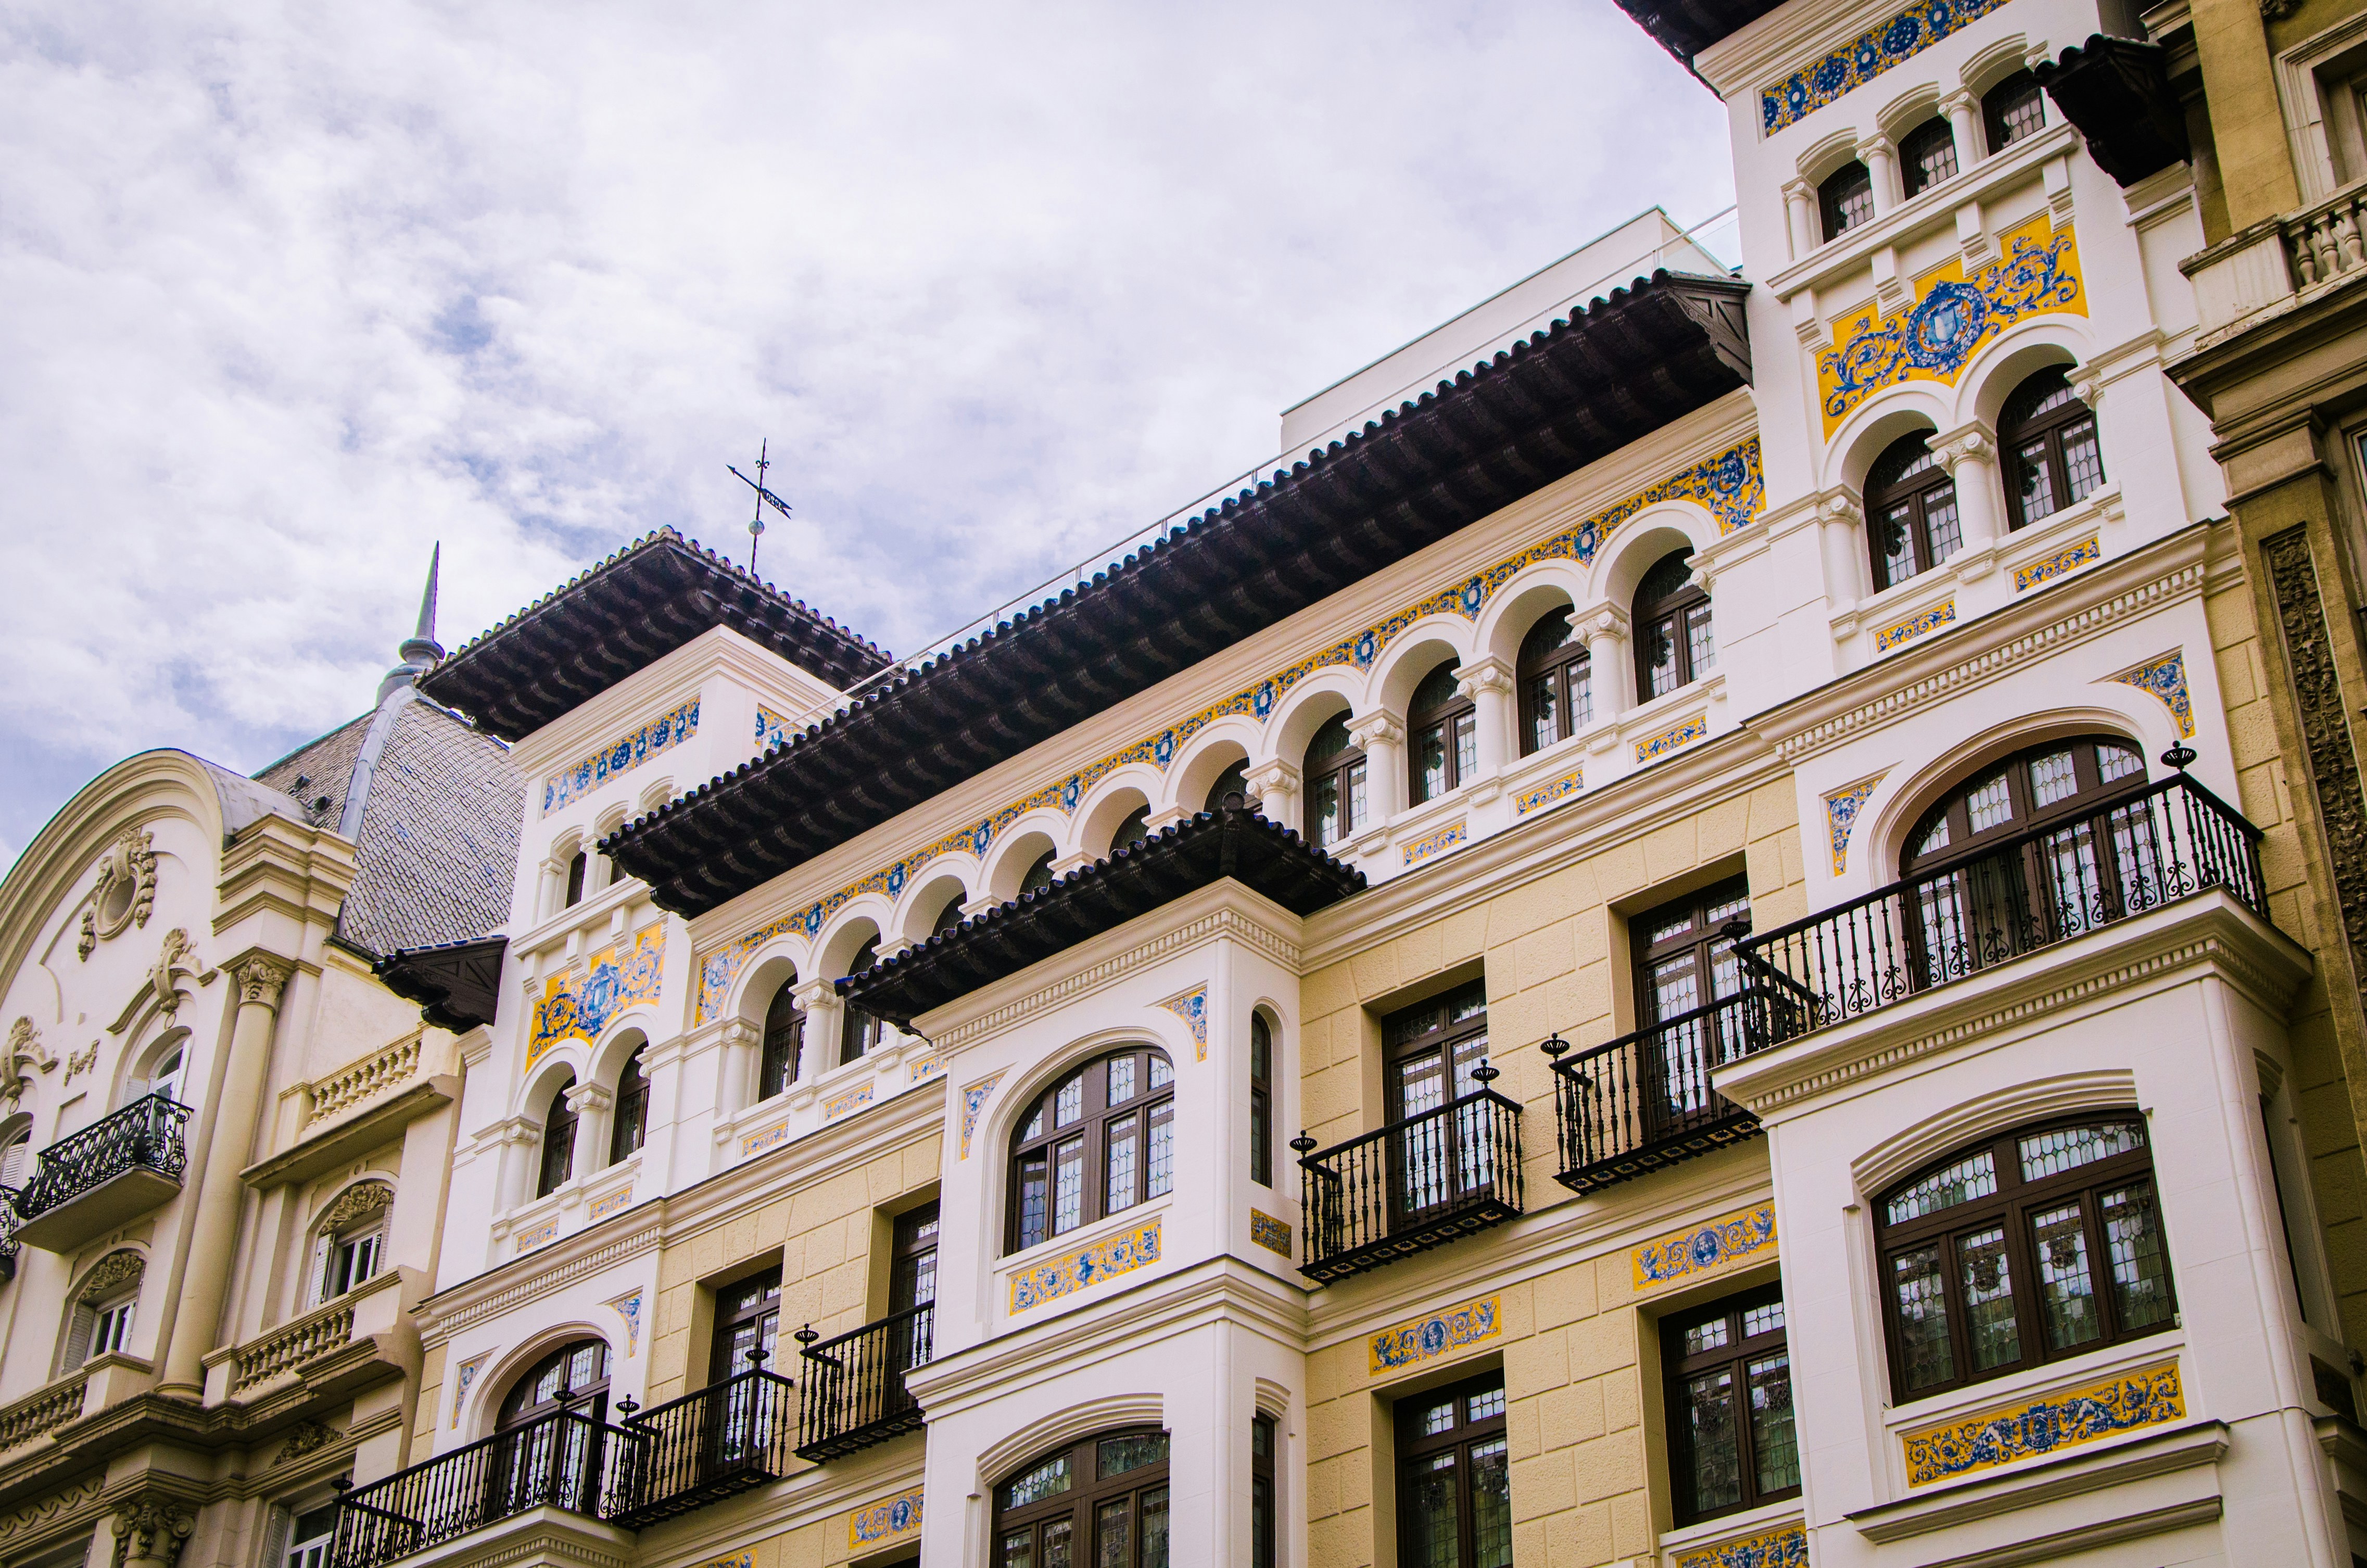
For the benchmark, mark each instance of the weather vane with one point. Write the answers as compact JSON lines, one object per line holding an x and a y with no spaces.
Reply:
{"x":763,"y":498}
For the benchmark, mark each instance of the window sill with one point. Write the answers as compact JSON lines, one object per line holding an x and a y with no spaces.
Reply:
{"x":1971,"y":568}
{"x":1744,"y":1525}
{"x":2014,"y":1387}
{"x":1012,"y":1265}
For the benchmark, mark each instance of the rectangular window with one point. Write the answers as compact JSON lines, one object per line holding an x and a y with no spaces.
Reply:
{"x":1264,"y":1437}
{"x":1260,"y":1101}
{"x":1121,"y":1163}
{"x":1455,"y":1496}
{"x":311,"y":1538}
{"x":353,"y":1260}
{"x":1068,"y":1185}
{"x":1728,"y":1380}
{"x":1161,"y":1170}
{"x":110,"y":1328}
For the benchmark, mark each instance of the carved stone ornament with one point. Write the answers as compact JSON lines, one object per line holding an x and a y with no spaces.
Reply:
{"x":124,"y":891}
{"x":356,"y":1202}
{"x":175,"y":959}
{"x":34,"y":1514}
{"x":2325,"y":728}
{"x":152,"y":1530}
{"x":260,"y":982}
{"x":23,"y":1049}
{"x":113,"y":1273}
{"x":306,"y":1437}
{"x":81,"y":1061}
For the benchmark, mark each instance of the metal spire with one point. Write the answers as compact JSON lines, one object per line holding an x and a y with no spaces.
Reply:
{"x":420,"y":652}
{"x":763,"y":498}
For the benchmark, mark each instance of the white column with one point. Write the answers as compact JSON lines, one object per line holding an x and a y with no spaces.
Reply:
{"x":1275,"y":785}
{"x":738,"y":1041}
{"x":519,"y":1145}
{"x":1609,"y":671}
{"x":1488,"y":682}
{"x":826,"y":1027}
{"x":1971,"y":456}
{"x":1383,"y":740}
{"x":1881,"y":160}
{"x":1800,"y":213}
{"x":1963,"y":112}
{"x":1840,"y":536}
{"x":593,"y":1108}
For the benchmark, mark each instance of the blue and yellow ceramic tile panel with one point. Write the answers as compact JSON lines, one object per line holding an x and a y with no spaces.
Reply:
{"x":1071,"y":1272}
{"x":629,"y":1307}
{"x":2165,"y":676}
{"x":733,"y":1559}
{"x":1906,"y":629}
{"x":1437,"y":842}
{"x":767,"y":1137}
{"x":463,"y":1378}
{"x":1424,"y":1338}
{"x":772,"y":730}
{"x":1696,"y":1252}
{"x":922,"y":1070}
{"x":1731,"y":486}
{"x":1841,"y":808}
{"x":973,"y":1102}
{"x":542,"y":1236}
{"x":615,"y":979}
{"x":609,"y":1203}
{"x":1550,"y":792}
{"x":2060,"y":563}
{"x":1893,"y":41}
{"x":1784,"y":1546}
{"x":1676,"y":737}
{"x":1270,"y":1233}
{"x":620,"y":757}
{"x":884,"y":1521}
{"x":2127,"y":1401}
{"x":1192,"y":1006}
{"x":847,"y":1104}
{"x":1954,"y":315}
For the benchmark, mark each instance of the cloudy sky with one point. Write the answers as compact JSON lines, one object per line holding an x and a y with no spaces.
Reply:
{"x":294,"y":292}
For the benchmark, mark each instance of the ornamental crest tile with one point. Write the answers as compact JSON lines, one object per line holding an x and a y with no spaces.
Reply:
{"x":764,"y":1138}
{"x":899,"y":1514}
{"x":1437,"y":842}
{"x":609,"y":1203}
{"x":616,"y":977}
{"x":2165,"y":676}
{"x":1840,"y":816}
{"x":1898,"y":633}
{"x":2061,"y":563}
{"x":620,"y":757}
{"x":1192,"y":1006}
{"x":1270,"y":1233}
{"x":462,"y":1378}
{"x":2148,"y":1396}
{"x":1090,"y":1264}
{"x":1747,"y":1235}
{"x":1900,"y":39}
{"x":1785,"y":1546}
{"x":847,"y":1104}
{"x":1954,"y":315}
{"x":629,"y":1307}
{"x":1420,"y":1339}
{"x":1550,"y":792}
{"x":1676,"y":737}
{"x":542,"y":1236}
{"x":926,"y":1068}
{"x":973,"y":1101}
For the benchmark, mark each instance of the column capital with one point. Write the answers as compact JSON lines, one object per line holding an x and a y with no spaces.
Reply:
{"x":814,"y":993}
{"x":1486,"y":673}
{"x":589,"y":1097}
{"x":1278,"y":779}
{"x":262,"y":977}
{"x":1966,"y":443}
{"x":1797,"y":190}
{"x":1376,"y":728}
{"x":1876,"y":144}
{"x":1842,"y":507}
{"x":151,"y":1530}
{"x":1952,"y":103}
{"x":1602,"y":620}
{"x":737,"y":1031}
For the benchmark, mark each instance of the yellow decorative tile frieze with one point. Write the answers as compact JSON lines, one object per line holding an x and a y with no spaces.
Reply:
{"x":1747,"y":1235}
{"x":1783,"y":1545}
{"x":1434,"y":1334}
{"x":1105,"y":1259}
{"x":2127,"y":1401}
{"x":884,"y":1521}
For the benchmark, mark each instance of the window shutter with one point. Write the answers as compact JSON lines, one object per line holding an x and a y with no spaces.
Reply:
{"x":274,"y":1538}
{"x":133,"y":1088}
{"x":14,"y":1161}
{"x":323,"y":1255}
{"x":78,"y":1338}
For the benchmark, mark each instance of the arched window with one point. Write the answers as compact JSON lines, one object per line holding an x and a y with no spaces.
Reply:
{"x":1101,"y":1501}
{"x":1674,"y":645}
{"x":2027,"y":790}
{"x":162,"y":1078}
{"x":1910,"y":510}
{"x":1927,"y":156}
{"x":631,"y":1122}
{"x":558,"y":1143}
{"x":862,"y":1031}
{"x":2049,"y":437}
{"x":1039,"y":874}
{"x":2034,"y":1244}
{"x":1233,"y":780}
{"x":1443,"y":727}
{"x":104,"y":1307}
{"x":2013,"y":109}
{"x":1100,"y":1140}
{"x":578,"y":865}
{"x":1846,"y":200}
{"x":573,"y":1377}
{"x":1556,"y":683}
{"x":1336,"y":807}
{"x":351,"y":1248}
{"x":785,"y":1038}
{"x":1261,"y":1100}
{"x":1132,"y":830}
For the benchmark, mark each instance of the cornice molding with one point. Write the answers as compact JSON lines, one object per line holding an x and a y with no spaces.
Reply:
{"x":509,"y":1285}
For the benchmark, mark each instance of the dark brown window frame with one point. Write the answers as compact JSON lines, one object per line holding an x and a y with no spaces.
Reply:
{"x":1414,"y":1447}
{"x":1346,"y":769}
{"x":2054,"y":428}
{"x":629,"y":1120}
{"x":1671,"y":615}
{"x":1561,"y":673}
{"x":2010,"y":1208}
{"x":578,"y":867}
{"x":1703,"y":938}
{"x":1886,"y":489}
{"x":1917,"y":171}
{"x":559,"y":1125}
{"x":1265,"y":1499}
{"x":1836,"y":199}
{"x":2093,"y":792}
{"x":1088,"y":1492}
{"x":1398,"y":1044}
{"x":752,"y":1304}
{"x":1998,"y":107}
{"x":784,"y":1041}
{"x":1261,"y":1100}
{"x":513,"y":1412}
{"x":1677,"y":1369}
{"x":913,"y":1258}
{"x":1092,"y":1125}
{"x":1450,"y":722}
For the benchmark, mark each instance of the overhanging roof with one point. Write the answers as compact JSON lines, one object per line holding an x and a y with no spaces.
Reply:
{"x":623,"y":615}
{"x":457,"y":984}
{"x":1235,"y":842}
{"x":1577,"y":392}
{"x":1685,"y":27}
{"x":2117,"y":91}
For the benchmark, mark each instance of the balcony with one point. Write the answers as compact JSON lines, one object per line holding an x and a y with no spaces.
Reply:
{"x":8,"y":1247}
{"x":1412,"y":1186}
{"x":566,"y":1460}
{"x":704,"y":1446}
{"x":105,"y":1176}
{"x":2168,"y":841}
{"x":1643,"y":1101}
{"x":854,"y":1393}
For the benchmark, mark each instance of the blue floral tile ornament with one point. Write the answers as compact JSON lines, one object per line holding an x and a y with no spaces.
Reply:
{"x":1682,"y":1257}
{"x":973,"y":1102}
{"x":616,"y":978}
{"x":772,"y":730}
{"x":1270,"y":1233}
{"x":1676,"y":737}
{"x":1785,"y":1546}
{"x":1432,"y":844}
{"x":1841,"y":815}
{"x":2165,"y":676}
{"x":764,"y":1138}
{"x":847,"y":1104}
{"x":2061,"y":563}
{"x":462,"y":1378}
{"x":733,"y":1559}
{"x":1420,"y":1339}
{"x":2036,"y":273}
{"x":1367,"y":648}
{"x":1088,"y":1266}
{"x":1887,"y":44}
{"x":629,"y":1307}
{"x":2127,"y":1401}
{"x":1905,"y":629}
{"x":1262,"y":700}
{"x":620,"y":757}
{"x":1192,"y":1006}
{"x":884,"y":1521}
{"x":1550,"y":792}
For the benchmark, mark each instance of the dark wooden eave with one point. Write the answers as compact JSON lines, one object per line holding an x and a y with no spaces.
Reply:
{"x":1685,"y":27}
{"x":1233,"y":841}
{"x":623,"y":615}
{"x":1553,"y":402}
{"x":2117,"y":91}
{"x":457,"y":984}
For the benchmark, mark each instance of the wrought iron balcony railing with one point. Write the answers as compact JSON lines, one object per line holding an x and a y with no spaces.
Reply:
{"x":8,"y":1244}
{"x":1413,"y":1185}
{"x":1643,"y":1101}
{"x":705,"y":1446}
{"x":852,"y":1393}
{"x":2166,"y":842}
{"x":111,"y":1171}
{"x":565,"y":1460}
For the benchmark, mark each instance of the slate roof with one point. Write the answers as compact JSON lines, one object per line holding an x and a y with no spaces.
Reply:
{"x":1685,"y":27}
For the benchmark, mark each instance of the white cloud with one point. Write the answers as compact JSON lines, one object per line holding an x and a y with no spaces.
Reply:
{"x":294,"y":293}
